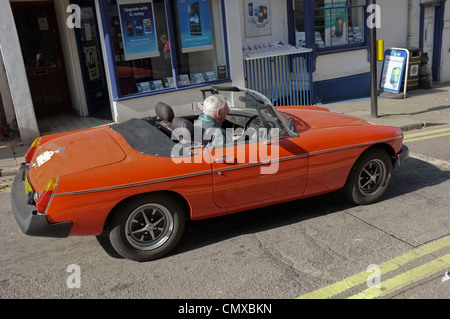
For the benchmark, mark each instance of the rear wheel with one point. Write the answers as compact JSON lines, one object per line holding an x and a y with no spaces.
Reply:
{"x":147,"y":227}
{"x":369,"y":178}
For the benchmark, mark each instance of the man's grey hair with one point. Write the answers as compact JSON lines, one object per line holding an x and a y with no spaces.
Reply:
{"x":214,"y":103}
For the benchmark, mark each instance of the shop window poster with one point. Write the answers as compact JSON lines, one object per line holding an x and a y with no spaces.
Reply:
{"x":138,"y":29}
{"x":195,"y":25}
{"x":257,"y":18}
{"x":336,"y":23}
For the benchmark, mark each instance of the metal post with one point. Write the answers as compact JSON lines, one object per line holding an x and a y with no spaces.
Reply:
{"x":373,"y":68}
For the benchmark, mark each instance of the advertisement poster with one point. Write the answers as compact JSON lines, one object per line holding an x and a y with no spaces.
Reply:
{"x":195,"y":25}
{"x":257,"y":18}
{"x":138,"y":29}
{"x":335,"y":24}
{"x":392,"y":73}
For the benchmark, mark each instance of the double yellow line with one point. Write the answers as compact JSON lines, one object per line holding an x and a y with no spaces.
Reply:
{"x":427,"y":135}
{"x":5,"y":187}
{"x":393,"y":284}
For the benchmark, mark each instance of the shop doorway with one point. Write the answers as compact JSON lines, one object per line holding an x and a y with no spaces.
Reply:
{"x":91,"y":61}
{"x":431,"y":29}
{"x":42,"y":53}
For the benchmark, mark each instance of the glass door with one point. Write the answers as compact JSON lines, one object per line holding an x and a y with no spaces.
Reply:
{"x":91,"y":61}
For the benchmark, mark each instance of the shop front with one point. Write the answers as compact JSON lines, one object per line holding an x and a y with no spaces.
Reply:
{"x":115,"y":59}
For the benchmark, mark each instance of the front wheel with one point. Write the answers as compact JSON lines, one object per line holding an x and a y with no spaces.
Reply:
{"x":147,"y":227}
{"x":369,"y":178}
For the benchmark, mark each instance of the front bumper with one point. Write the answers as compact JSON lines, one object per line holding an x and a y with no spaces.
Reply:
{"x":402,"y":156}
{"x":30,"y":222}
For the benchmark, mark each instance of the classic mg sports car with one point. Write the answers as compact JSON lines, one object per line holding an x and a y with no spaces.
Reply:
{"x":137,"y":182}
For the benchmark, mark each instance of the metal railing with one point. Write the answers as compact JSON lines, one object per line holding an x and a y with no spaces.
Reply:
{"x":283,"y":75}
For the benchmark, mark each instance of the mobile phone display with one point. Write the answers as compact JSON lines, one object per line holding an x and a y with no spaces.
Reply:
{"x":261,"y":14}
{"x":138,"y":27}
{"x":395,"y":76}
{"x":339,"y":27}
{"x":147,"y":26}
{"x":130,"y":28}
{"x":194,"y":19}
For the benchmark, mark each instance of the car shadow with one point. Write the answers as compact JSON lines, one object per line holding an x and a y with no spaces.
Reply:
{"x":415,"y":175}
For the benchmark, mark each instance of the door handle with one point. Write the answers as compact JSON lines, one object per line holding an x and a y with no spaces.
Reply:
{"x":226,"y":160}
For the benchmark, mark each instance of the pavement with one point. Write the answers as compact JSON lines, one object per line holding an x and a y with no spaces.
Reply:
{"x":421,"y":108}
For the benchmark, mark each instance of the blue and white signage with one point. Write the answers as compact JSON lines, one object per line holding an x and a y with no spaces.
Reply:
{"x":138,"y":29}
{"x":195,"y":25}
{"x":393,"y":70}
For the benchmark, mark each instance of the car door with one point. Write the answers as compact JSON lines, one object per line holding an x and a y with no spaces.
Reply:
{"x":259,"y":172}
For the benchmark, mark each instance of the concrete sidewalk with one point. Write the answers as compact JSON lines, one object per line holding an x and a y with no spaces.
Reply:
{"x":423,"y":107}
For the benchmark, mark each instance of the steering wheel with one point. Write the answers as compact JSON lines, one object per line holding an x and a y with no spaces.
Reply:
{"x":247,"y":124}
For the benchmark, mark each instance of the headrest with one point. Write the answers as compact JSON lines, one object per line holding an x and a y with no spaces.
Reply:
{"x":164,"y":112}
{"x":183,"y":129}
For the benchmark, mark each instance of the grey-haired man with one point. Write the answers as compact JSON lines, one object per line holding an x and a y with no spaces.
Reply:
{"x":209,"y":123}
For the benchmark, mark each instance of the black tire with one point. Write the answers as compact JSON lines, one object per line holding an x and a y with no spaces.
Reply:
{"x":147,"y":227}
{"x":369,"y":178}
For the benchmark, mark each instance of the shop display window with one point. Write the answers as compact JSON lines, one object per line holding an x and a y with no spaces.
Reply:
{"x":328,"y":25}
{"x":165,"y":45}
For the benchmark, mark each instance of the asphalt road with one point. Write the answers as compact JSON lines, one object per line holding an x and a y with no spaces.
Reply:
{"x":320,"y":247}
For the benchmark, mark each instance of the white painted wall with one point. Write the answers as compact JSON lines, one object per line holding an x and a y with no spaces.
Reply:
{"x":394,"y":23}
{"x":278,"y":20}
{"x":5,"y":96}
{"x":71,"y":60}
{"x":16,"y":75}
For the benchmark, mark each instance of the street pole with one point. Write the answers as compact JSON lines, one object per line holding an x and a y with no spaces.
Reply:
{"x":373,"y":67}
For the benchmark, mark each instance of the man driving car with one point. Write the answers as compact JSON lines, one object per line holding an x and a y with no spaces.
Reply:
{"x":209,"y":123}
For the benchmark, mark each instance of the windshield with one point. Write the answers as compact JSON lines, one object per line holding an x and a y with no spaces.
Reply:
{"x":253,"y":102}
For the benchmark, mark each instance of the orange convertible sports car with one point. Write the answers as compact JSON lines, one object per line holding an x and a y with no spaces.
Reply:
{"x":135,"y":183}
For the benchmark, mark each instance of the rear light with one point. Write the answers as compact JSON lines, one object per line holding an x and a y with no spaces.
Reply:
{"x":30,"y":153}
{"x":44,"y":198}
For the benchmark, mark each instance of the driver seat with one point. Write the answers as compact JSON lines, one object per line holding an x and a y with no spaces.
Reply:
{"x":165,"y":115}
{"x":183,"y":131}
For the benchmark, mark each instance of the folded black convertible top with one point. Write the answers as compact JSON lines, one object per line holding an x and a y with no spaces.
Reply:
{"x":144,"y":136}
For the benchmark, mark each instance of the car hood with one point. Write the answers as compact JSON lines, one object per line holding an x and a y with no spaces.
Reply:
{"x":62,"y":154}
{"x":321,"y":119}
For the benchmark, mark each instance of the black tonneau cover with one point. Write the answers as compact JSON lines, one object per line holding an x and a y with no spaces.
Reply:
{"x":145,"y":137}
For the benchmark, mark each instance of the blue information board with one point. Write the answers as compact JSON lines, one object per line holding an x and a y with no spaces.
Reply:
{"x":195,"y":25}
{"x":138,"y":29}
{"x":393,"y":70}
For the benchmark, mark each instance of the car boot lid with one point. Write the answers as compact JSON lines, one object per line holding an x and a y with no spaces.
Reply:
{"x":70,"y":153}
